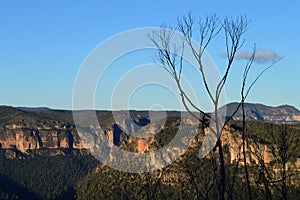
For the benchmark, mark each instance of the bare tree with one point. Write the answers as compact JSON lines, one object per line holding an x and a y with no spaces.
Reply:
{"x":244,"y":93}
{"x":284,"y":145}
{"x":280,"y":142}
{"x":171,"y":58}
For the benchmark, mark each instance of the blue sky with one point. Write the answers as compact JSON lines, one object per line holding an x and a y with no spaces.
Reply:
{"x":43,"y":44}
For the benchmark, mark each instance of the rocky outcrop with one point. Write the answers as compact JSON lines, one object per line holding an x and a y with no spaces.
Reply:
{"x":55,"y":135}
{"x":256,"y":151}
{"x":24,"y":138}
{"x":31,"y":130}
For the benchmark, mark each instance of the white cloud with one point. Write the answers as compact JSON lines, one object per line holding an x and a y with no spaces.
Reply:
{"x":262,"y":56}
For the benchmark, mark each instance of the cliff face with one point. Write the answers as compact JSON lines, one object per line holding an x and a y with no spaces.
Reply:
{"x":49,"y":129}
{"x":233,"y":141}
{"x":24,"y":138}
{"x":31,"y":129}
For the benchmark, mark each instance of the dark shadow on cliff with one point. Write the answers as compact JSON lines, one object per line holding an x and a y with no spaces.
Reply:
{"x":119,"y":135}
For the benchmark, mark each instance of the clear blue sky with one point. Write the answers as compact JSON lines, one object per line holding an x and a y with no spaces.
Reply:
{"x":43,"y":43}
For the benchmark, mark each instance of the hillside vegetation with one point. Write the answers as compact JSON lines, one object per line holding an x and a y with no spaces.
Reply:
{"x":42,"y":157}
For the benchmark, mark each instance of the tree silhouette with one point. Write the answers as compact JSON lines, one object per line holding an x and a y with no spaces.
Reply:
{"x":171,"y":57}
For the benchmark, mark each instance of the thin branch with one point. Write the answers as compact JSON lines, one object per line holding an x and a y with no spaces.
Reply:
{"x":260,"y":74}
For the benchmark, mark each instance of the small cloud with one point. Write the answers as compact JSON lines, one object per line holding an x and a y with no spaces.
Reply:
{"x":262,"y":56}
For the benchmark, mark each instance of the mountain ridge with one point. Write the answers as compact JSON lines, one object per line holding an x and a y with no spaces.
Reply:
{"x":45,"y":108}
{"x":254,"y":111}
{"x":27,"y":129}
{"x":261,"y":112}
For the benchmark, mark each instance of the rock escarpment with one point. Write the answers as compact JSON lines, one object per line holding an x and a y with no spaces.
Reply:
{"x":31,"y":129}
{"x":23,"y":137}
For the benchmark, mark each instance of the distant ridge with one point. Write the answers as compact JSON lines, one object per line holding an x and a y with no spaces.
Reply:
{"x":257,"y":111}
{"x":254,"y":111}
{"x":39,"y":128}
{"x":33,"y":108}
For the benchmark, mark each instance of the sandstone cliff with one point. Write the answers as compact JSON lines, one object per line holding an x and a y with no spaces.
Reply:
{"x":49,"y":129}
{"x":24,"y":137}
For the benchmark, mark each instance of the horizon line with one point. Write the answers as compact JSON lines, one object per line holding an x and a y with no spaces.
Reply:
{"x":130,"y":109}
